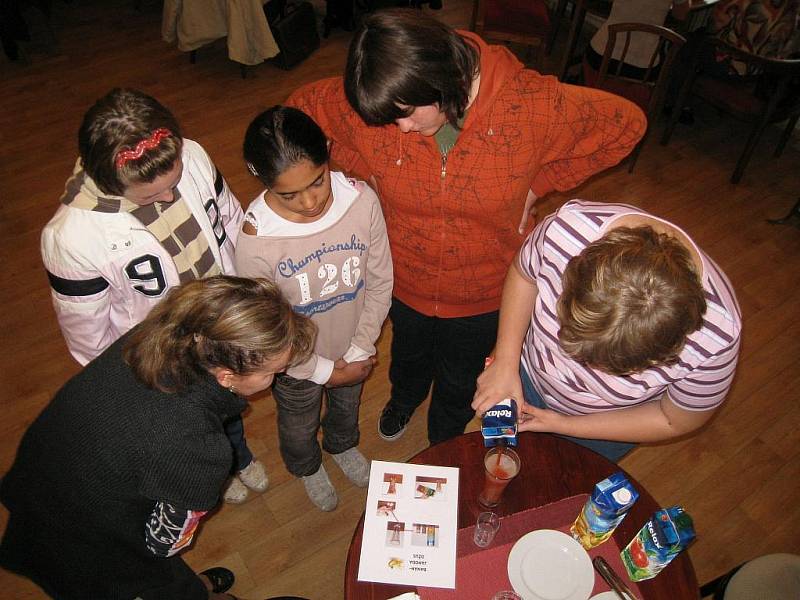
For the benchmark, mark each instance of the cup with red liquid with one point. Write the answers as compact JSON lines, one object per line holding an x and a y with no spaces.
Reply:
{"x":501,"y":464}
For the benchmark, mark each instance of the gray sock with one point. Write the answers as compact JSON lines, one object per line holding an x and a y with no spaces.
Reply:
{"x":354,"y":465}
{"x":320,"y":490}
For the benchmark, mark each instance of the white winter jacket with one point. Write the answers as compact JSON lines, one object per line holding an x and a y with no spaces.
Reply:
{"x":107,"y":270}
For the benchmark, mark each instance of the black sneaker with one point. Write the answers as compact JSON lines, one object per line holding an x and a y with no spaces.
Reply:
{"x":392,"y":423}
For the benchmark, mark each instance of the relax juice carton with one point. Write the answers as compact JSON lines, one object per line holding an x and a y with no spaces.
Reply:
{"x":657,"y":543}
{"x":604,"y":510}
{"x":499,"y":424}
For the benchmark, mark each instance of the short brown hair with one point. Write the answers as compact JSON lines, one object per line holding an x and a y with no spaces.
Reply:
{"x":403,"y":56}
{"x":629,"y":301}
{"x":222,"y":321}
{"x":119,"y":121}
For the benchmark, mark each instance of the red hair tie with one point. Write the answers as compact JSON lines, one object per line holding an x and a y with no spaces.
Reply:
{"x":146,"y":144}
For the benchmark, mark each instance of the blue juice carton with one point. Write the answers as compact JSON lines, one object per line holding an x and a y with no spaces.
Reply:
{"x":604,"y":510}
{"x":499,"y":424}
{"x":660,"y":540}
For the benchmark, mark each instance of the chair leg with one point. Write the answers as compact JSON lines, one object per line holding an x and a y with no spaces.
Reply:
{"x":794,"y":212}
{"x":555,"y":25}
{"x":680,"y":102}
{"x":634,"y":156}
{"x":757,"y":130}
{"x":747,"y":153}
{"x":787,"y":133}
{"x":572,"y":41}
{"x":671,"y":123}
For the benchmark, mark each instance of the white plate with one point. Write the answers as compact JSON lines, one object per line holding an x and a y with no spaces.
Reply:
{"x":550,"y":565}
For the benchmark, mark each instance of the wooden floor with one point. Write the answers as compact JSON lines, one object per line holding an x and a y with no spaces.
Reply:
{"x":738,"y":478}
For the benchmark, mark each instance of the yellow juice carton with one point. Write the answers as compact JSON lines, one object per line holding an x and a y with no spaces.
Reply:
{"x":604,"y":510}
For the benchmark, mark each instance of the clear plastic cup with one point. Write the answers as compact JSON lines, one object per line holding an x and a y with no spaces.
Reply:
{"x":486,"y":528}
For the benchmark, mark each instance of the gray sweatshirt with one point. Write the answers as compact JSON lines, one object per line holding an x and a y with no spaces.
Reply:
{"x":336,"y":270}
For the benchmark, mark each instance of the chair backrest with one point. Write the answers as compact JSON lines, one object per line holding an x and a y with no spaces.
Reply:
{"x":646,"y":89}
{"x":779,"y":66}
{"x":521,"y":21}
{"x":769,"y":89}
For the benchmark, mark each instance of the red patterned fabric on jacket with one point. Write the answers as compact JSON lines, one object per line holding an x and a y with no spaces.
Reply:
{"x":453,"y":222}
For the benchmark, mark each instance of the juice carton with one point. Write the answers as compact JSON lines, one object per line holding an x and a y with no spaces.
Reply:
{"x":604,"y":510}
{"x":499,"y":424}
{"x":657,"y":543}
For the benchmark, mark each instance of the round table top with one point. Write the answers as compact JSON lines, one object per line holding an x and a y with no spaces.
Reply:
{"x":552,"y":468}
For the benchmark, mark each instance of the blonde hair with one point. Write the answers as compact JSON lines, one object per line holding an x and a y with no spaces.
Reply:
{"x":223,"y":321}
{"x":629,"y":301}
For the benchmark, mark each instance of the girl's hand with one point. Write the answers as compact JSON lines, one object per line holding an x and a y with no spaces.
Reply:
{"x":345,"y":373}
{"x":497,"y":382}
{"x":539,"y":419}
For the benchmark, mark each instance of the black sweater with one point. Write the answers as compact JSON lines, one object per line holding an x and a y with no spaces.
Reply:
{"x":91,"y":467}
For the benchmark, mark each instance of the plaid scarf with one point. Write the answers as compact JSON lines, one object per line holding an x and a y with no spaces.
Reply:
{"x":172,"y":224}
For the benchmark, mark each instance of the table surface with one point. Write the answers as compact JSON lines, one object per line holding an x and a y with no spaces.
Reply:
{"x":552,"y":469}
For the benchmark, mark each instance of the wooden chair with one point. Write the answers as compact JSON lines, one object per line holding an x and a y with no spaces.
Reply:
{"x":599,"y":8}
{"x":646,"y":90}
{"x":770,"y":93}
{"x":525,"y":22}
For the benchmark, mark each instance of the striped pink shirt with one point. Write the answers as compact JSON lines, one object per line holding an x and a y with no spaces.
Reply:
{"x":700,"y":379}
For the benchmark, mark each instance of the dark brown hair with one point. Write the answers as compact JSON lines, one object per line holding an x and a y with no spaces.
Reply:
{"x":119,"y":121}
{"x":222,"y":321}
{"x":279,"y":138}
{"x":629,"y":301}
{"x":409,"y":58}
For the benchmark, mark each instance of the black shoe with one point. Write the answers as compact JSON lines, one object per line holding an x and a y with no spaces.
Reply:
{"x":435,"y":4}
{"x":392,"y":423}
{"x":221,"y":579}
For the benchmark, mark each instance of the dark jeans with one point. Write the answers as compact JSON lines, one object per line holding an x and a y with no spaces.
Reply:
{"x":446,"y":353}
{"x":299,"y":404}
{"x":613,"y":451}
{"x":242,"y":456}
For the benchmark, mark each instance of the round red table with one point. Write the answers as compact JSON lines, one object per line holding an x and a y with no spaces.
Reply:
{"x":552,"y":468}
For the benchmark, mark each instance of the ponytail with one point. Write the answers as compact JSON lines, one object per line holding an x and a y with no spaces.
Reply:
{"x":222,"y":321}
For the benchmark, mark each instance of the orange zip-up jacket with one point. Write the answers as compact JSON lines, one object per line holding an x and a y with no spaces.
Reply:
{"x":453,"y":222}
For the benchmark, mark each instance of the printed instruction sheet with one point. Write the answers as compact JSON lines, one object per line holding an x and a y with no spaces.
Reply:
{"x":410,"y":525}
